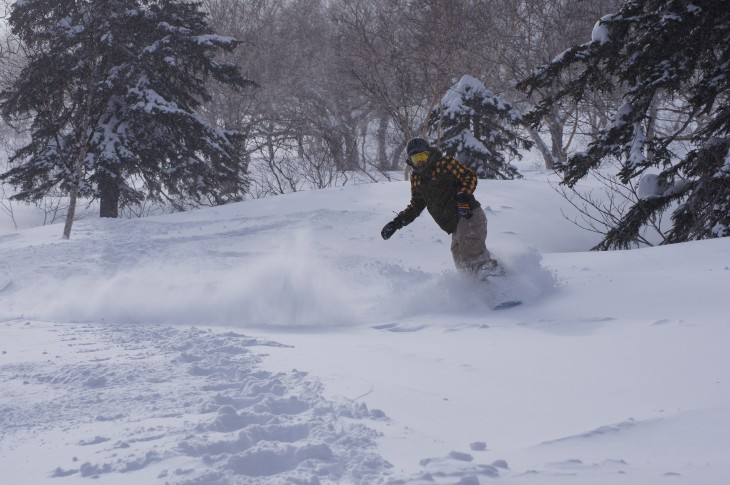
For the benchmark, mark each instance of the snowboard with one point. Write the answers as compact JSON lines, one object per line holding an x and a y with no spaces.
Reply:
{"x":506,"y":304}
{"x":4,"y":282}
{"x":499,"y":295}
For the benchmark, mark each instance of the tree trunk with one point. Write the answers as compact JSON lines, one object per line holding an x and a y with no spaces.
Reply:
{"x":651,"y":128}
{"x":382,"y":140}
{"x":84,"y":132}
{"x":334,"y":141}
{"x":71,"y":214}
{"x":556,"y":137}
{"x":543,"y":149}
{"x":352,"y":155}
{"x":109,"y":197}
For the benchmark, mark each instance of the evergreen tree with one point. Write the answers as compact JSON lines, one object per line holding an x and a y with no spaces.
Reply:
{"x":657,"y":53}
{"x":112,"y":87}
{"x":475,"y":126}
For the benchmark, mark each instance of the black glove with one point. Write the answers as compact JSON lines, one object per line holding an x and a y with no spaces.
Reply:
{"x":462,"y":205}
{"x":391,"y":227}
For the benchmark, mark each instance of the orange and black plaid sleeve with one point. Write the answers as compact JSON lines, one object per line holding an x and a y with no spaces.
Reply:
{"x":417,"y":204}
{"x":464,"y":175}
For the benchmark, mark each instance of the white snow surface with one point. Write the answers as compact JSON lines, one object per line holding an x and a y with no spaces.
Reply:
{"x":282,"y":341}
{"x":600,"y":32}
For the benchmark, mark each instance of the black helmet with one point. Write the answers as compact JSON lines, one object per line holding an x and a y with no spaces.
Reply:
{"x":417,"y":145}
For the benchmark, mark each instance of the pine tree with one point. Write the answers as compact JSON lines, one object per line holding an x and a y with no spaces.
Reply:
{"x":112,"y":87}
{"x":661,"y":55}
{"x":475,"y":126}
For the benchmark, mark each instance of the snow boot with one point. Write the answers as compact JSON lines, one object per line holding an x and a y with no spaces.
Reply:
{"x":490,"y":269}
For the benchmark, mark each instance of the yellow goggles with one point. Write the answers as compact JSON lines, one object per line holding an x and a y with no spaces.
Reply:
{"x":419,"y":158}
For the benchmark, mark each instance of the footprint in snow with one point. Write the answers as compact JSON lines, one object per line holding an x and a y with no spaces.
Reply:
{"x":400,"y":327}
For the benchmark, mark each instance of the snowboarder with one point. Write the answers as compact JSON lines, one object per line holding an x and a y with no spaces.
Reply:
{"x":446,"y":188}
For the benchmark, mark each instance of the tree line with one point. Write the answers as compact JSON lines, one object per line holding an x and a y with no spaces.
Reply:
{"x":270,"y":96}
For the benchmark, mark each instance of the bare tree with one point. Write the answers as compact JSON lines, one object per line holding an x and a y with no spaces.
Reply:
{"x":604,"y":203}
{"x":532,"y":33}
{"x":305,"y":98}
{"x":342,"y":75}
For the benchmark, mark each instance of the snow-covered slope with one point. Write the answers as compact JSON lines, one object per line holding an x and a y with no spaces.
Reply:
{"x":282,"y":340}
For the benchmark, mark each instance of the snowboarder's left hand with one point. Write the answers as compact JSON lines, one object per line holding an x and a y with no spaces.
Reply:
{"x":462,"y":205}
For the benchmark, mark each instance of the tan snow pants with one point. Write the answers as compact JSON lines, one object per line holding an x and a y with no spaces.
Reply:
{"x":468,"y":244}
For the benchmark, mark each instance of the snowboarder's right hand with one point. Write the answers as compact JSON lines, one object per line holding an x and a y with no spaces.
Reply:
{"x":391,"y":227}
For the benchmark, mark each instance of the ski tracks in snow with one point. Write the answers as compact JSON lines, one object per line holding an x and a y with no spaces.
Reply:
{"x":179,"y":406}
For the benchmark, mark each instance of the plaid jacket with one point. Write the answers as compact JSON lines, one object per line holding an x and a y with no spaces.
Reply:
{"x":435,"y":188}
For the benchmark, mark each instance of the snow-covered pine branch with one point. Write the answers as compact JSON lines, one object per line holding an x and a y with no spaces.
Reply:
{"x":659,"y":55}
